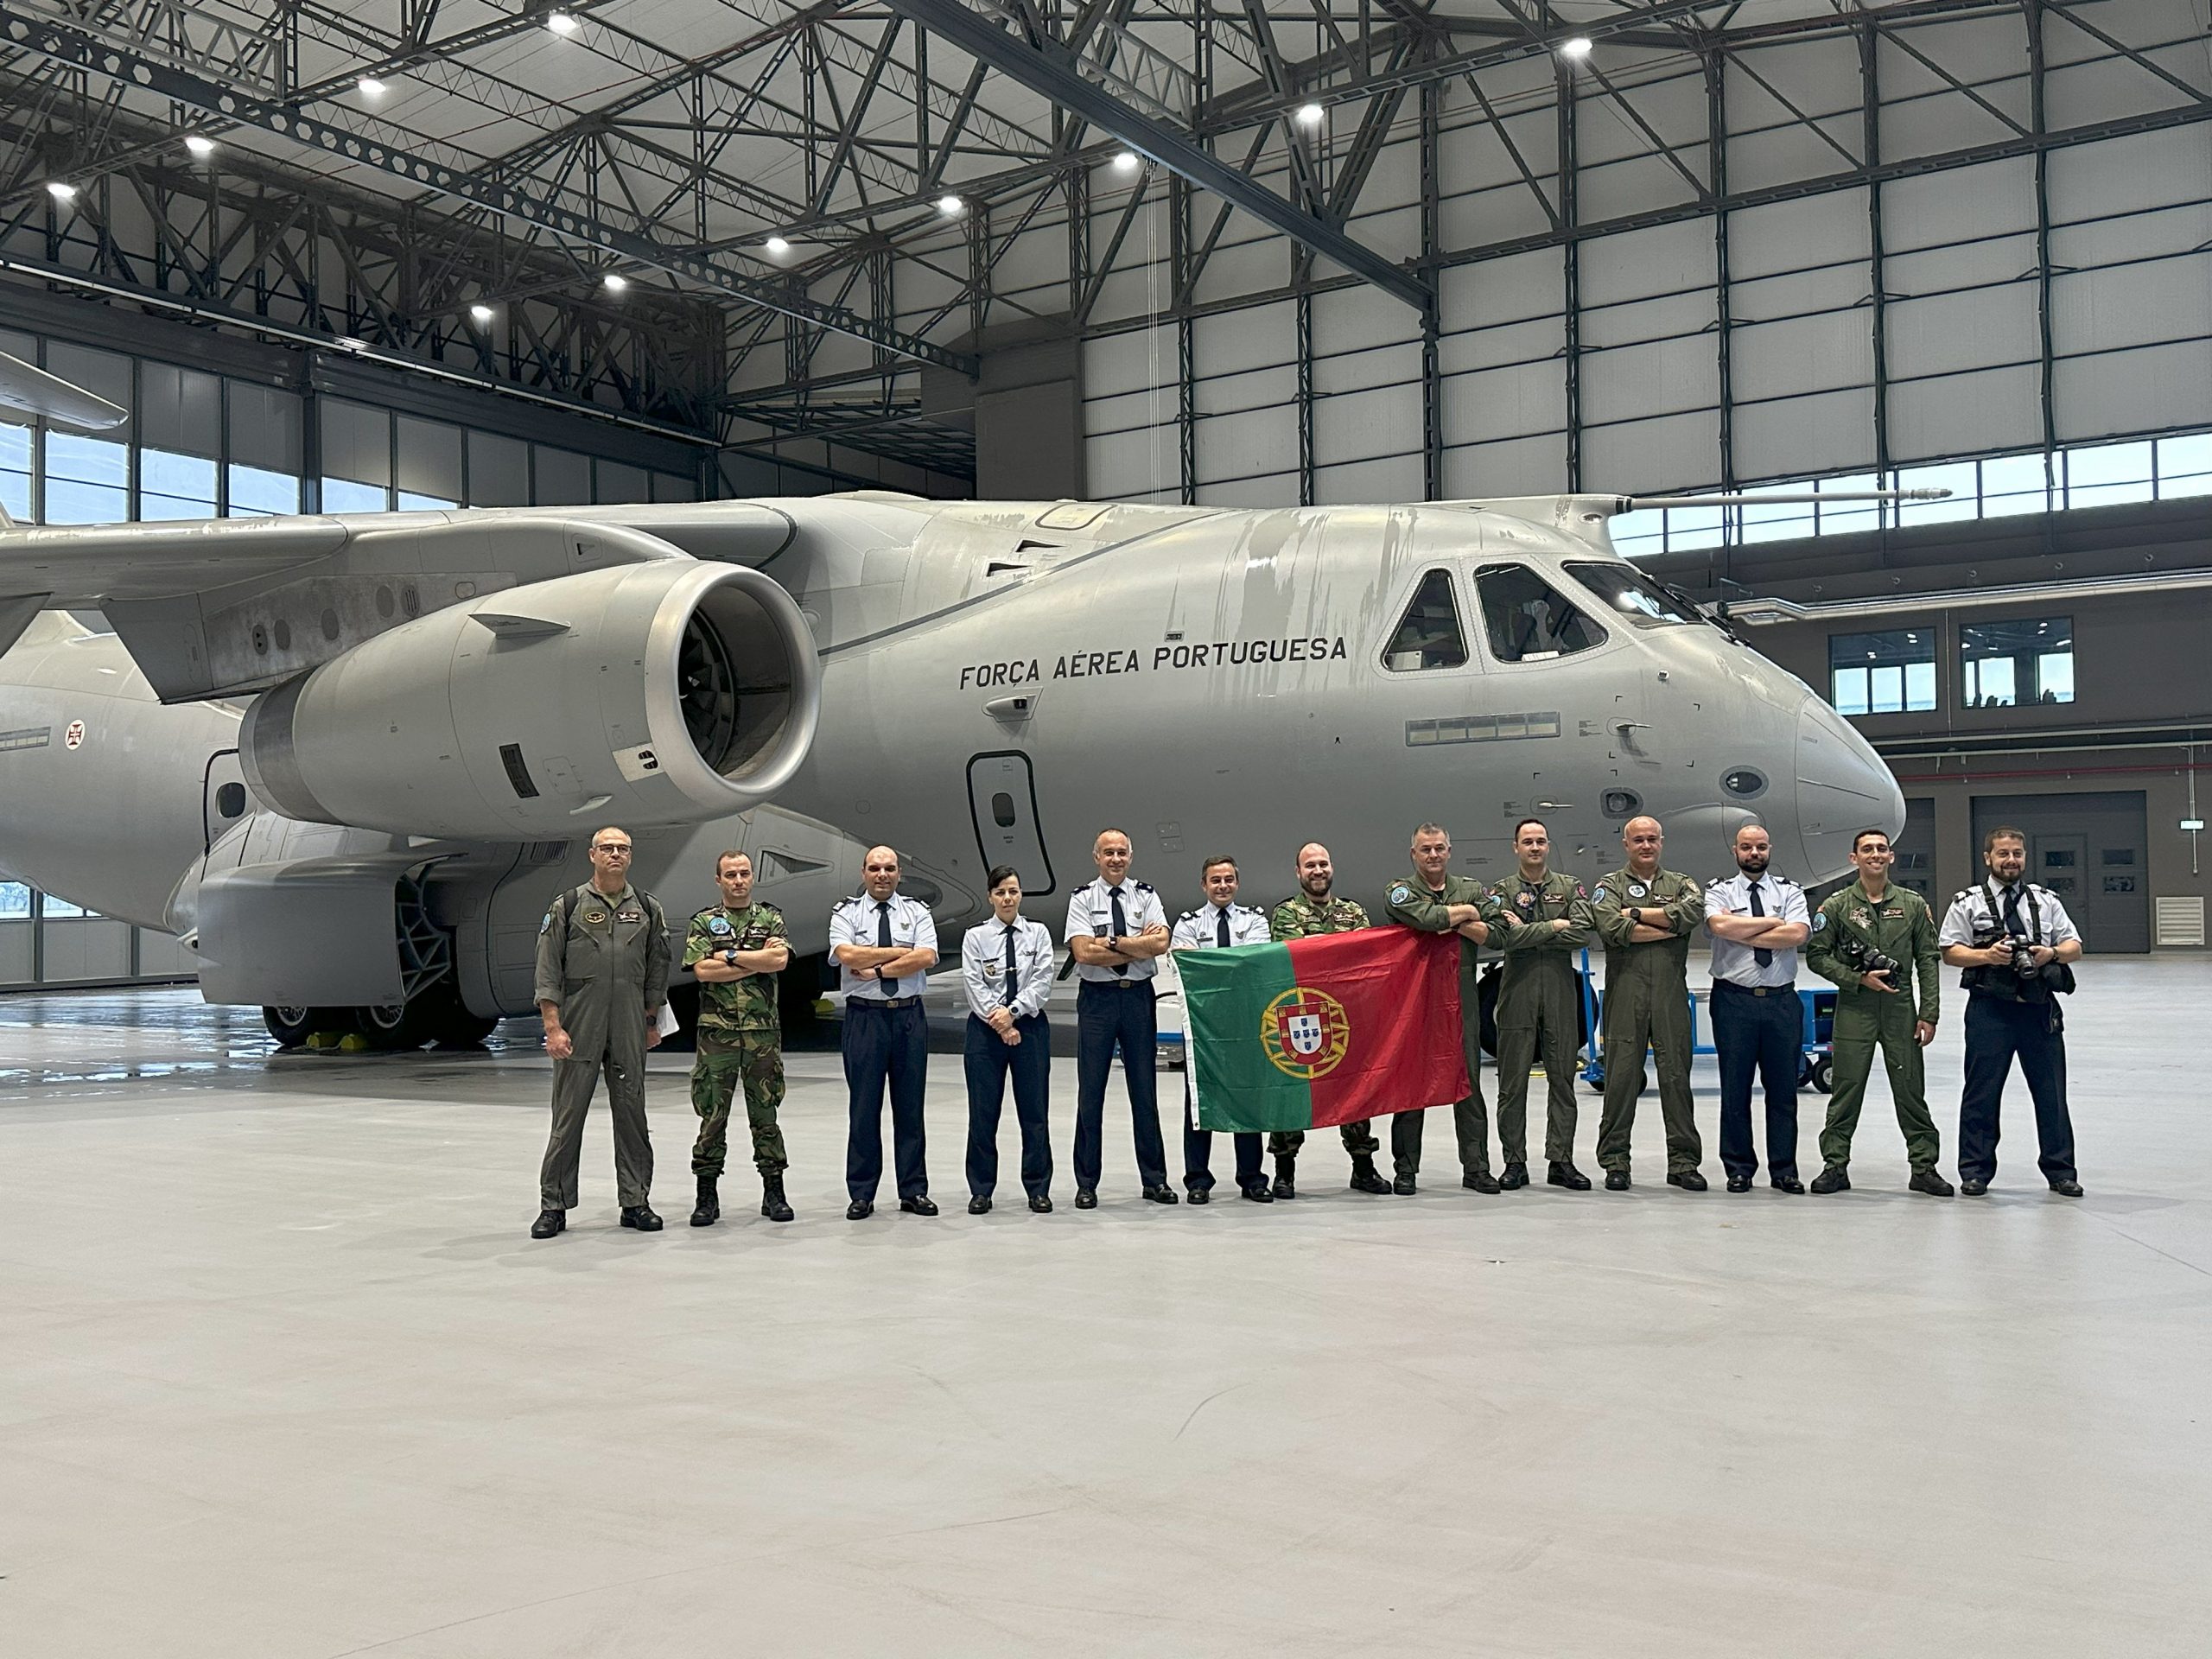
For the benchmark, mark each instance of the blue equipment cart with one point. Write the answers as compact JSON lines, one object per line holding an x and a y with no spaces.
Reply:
{"x":1815,"y":1068}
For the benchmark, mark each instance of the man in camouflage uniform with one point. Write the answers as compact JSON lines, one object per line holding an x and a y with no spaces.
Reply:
{"x":1539,"y":917}
{"x":1314,"y":909}
{"x":1872,"y":1009}
{"x":735,"y":949}
{"x":1435,"y":901}
{"x":1646,"y":916}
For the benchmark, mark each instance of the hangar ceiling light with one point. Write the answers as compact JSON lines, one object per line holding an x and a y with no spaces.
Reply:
{"x":952,"y":206}
{"x":1575,"y":47}
{"x":62,"y":189}
{"x":370,"y":87}
{"x":616,"y":281}
{"x":200,"y":145}
{"x":1311,"y":115}
{"x":480,"y":315}
{"x":776,"y":247}
{"x":561,"y":22}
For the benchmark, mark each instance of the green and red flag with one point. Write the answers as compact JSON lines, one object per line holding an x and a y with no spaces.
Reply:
{"x":1323,"y":1030}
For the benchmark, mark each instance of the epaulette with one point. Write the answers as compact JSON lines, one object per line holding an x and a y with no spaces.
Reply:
{"x":1188,"y":915}
{"x":1141,"y":886}
{"x":857,"y":898}
{"x":1721,"y":881}
{"x":1961,"y":893}
{"x":697,"y":914}
{"x":1780,"y":880}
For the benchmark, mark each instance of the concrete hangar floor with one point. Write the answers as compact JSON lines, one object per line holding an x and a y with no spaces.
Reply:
{"x":281,"y":1374}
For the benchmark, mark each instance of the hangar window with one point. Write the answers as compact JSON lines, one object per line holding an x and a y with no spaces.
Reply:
{"x":1530,"y":620}
{"x":1888,"y":673}
{"x":1634,"y":595}
{"x":2005,"y":665}
{"x":1429,"y":635}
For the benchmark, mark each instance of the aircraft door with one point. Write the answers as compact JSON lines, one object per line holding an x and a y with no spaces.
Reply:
{"x":1003,"y":800}
{"x":224,"y":798}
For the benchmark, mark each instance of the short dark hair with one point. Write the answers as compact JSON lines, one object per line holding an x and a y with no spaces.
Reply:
{"x":1863,"y":834}
{"x":1000,"y":872}
{"x":1420,"y":830}
{"x":2003,"y":832}
{"x":1218,"y":858}
{"x":729,"y":853}
{"x":1525,"y":822}
{"x":1114,"y":830}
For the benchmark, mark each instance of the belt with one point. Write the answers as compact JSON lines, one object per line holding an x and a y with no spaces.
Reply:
{"x":1754,"y":990}
{"x":881,"y":1001}
{"x":1115,"y":984}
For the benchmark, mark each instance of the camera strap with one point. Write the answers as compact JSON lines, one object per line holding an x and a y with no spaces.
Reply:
{"x":2029,"y":907}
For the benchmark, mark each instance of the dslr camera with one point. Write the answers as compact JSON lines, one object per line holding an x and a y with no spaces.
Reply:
{"x":2028,"y":976}
{"x":1864,"y":958}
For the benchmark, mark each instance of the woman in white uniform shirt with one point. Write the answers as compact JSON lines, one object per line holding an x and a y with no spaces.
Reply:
{"x":1005,"y":967}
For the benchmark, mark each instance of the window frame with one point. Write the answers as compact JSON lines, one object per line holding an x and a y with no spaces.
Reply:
{"x":1551,"y":584}
{"x":1404,"y":610}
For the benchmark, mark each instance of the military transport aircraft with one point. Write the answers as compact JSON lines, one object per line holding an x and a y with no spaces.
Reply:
{"x":349,"y":757}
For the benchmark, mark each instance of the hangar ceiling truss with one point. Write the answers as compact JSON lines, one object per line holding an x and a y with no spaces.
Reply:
{"x":812,"y":203}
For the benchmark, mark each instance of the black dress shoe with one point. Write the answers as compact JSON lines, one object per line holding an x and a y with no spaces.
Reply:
{"x":1514,"y":1177}
{"x":979,"y":1206}
{"x":1564,"y":1173}
{"x":1159,"y":1195}
{"x":1403,"y":1185}
{"x":1833,"y":1179}
{"x":860,"y":1209}
{"x":1201,"y":1195}
{"x":1364,"y":1176}
{"x":1739,"y":1183}
{"x":1617,"y":1181}
{"x":2067,"y":1189}
{"x":641,"y":1216}
{"x":1041,"y":1203}
{"x":1974,"y":1189}
{"x":1928,"y":1181}
{"x":1086,"y":1197}
{"x":1255,"y":1194}
{"x":1478,"y":1180}
{"x":1689,"y":1180}
{"x":922,"y":1205}
{"x":549,"y":1222}
{"x":1788,"y":1183}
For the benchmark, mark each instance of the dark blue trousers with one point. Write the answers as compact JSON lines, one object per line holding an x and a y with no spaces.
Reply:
{"x":1765,"y":1033}
{"x":989,"y":1058}
{"x":1198,"y":1152}
{"x":884,"y":1044}
{"x":1998,"y":1030}
{"x":1107,"y":1017}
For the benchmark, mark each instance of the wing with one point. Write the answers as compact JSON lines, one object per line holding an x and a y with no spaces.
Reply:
{"x":239,"y":605}
{"x":34,"y":391}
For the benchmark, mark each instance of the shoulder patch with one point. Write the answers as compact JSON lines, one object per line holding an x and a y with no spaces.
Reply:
{"x":1399,"y":895}
{"x":547,"y":923}
{"x":1819,"y":919}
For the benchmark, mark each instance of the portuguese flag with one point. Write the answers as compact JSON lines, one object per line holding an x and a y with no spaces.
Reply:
{"x":1323,"y":1030}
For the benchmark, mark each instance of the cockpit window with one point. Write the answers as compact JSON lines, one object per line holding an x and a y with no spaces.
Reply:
{"x":1429,"y":635}
{"x":1527,"y":618}
{"x":1632,"y":594}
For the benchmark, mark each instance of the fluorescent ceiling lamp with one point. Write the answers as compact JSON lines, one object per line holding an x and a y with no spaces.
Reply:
{"x":1311,"y":115}
{"x":352,"y":342}
{"x":200,"y":146}
{"x":1575,"y":48}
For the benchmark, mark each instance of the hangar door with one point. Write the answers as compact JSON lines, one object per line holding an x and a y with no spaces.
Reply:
{"x":1002,"y":799}
{"x":2091,"y":851}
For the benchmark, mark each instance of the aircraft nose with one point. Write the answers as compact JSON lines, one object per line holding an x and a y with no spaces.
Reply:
{"x":1842,"y":787}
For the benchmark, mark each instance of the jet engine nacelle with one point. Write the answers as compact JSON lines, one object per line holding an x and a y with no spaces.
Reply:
{"x":671,"y":691}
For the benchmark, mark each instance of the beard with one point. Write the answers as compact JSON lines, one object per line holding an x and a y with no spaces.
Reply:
{"x":1753,"y":865}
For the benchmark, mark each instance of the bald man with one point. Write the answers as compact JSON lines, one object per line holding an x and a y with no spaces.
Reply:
{"x":1646,"y":915}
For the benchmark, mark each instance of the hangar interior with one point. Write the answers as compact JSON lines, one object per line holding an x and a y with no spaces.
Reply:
{"x":414,"y":255}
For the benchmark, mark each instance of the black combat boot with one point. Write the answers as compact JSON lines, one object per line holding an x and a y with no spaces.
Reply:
{"x":641,"y":1216}
{"x":709,"y":1211}
{"x":1286,"y":1185}
{"x":1363,"y":1176}
{"x":772,"y":1202}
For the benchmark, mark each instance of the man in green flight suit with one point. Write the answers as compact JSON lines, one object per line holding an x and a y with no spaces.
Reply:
{"x":735,"y":949}
{"x":602,"y":975}
{"x":1314,"y":909}
{"x":1870,"y":916}
{"x":1646,"y":915}
{"x":1539,"y":917}
{"x":1436,"y":901}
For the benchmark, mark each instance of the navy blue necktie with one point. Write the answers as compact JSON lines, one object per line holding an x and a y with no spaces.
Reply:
{"x":1760,"y":954}
{"x":883,"y":942}
{"x":1121,"y":927}
{"x":1221,"y":926}
{"x":1009,"y":973}
{"x":2014,"y":924}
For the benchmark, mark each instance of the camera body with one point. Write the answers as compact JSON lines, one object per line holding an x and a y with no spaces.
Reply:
{"x":2021,"y":976}
{"x":1856,"y":953}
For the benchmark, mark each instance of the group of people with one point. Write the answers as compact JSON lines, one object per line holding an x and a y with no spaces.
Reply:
{"x":604,"y":966}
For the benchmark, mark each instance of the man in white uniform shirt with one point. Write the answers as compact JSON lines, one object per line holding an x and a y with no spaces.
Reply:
{"x":1118,"y":931}
{"x":1216,"y":924}
{"x":2016,"y":942}
{"x":1757,"y":919}
{"x":1006,"y":968}
{"x":884,"y":946}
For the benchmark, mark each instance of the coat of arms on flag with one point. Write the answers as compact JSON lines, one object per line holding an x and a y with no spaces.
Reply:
{"x":1306,"y":1032}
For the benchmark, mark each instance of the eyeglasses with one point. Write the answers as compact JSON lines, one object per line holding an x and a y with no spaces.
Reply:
{"x":618,"y":849}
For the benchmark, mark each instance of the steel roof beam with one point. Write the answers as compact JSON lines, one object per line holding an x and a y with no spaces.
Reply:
{"x":1049,"y":69}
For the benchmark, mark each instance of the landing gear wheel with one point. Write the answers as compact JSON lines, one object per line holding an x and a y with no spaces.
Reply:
{"x":292,"y":1027}
{"x":1824,"y":1073}
{"x":397,"y":1025}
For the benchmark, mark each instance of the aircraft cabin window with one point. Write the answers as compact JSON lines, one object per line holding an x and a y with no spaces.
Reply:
{"x":1429,"y":635}
{"x":1632,"y":594}
{"x":1527,"y":618}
